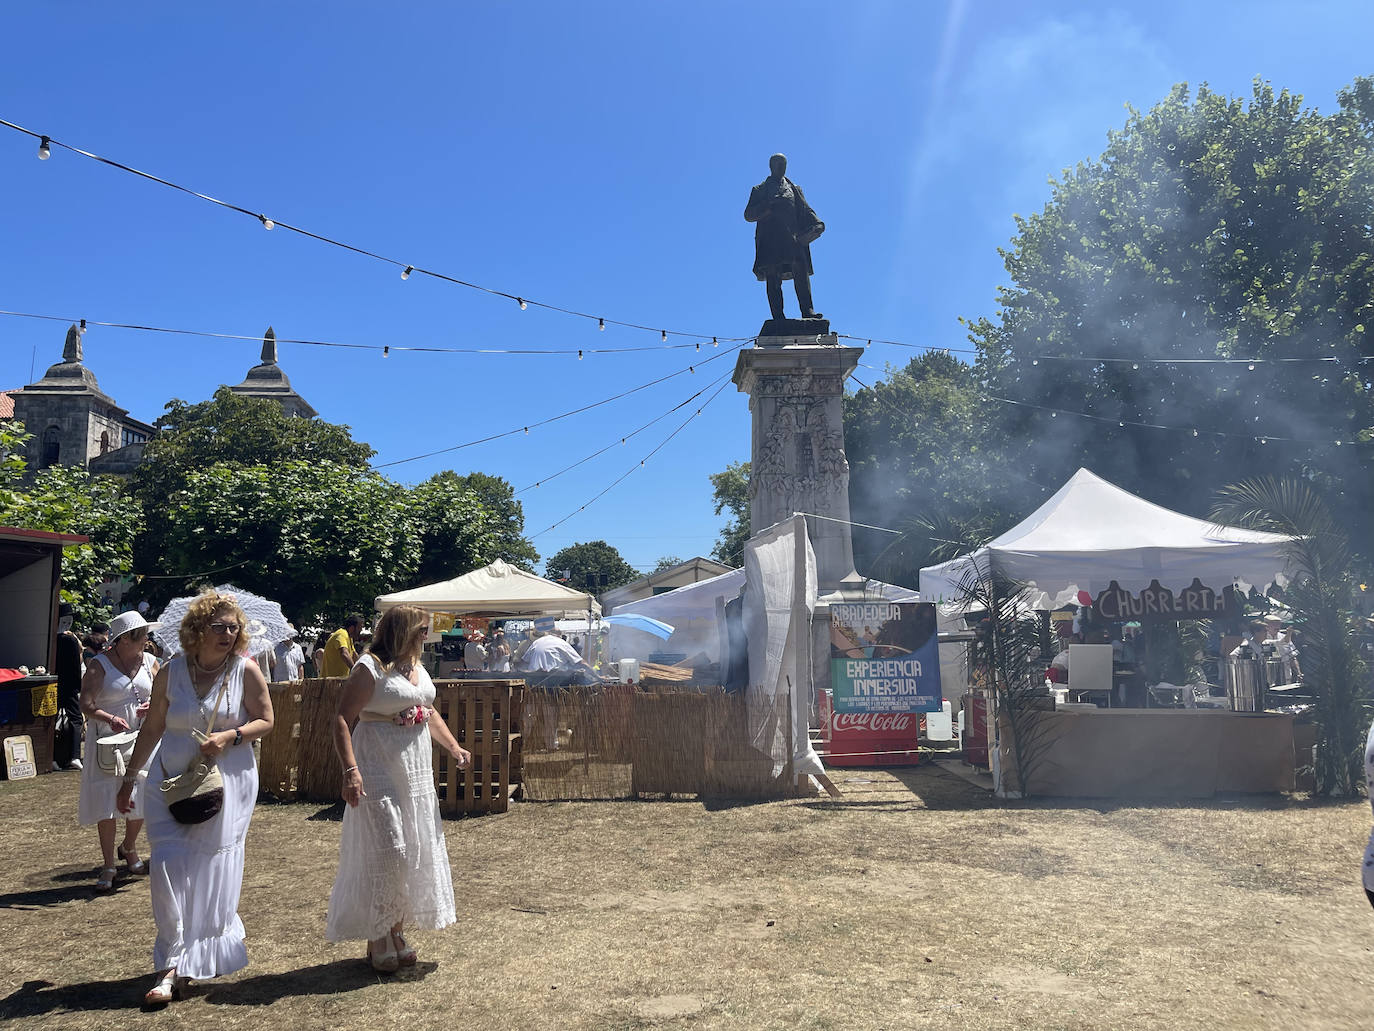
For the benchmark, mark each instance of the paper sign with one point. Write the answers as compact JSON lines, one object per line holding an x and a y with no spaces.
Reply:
{"x":19,"y":758}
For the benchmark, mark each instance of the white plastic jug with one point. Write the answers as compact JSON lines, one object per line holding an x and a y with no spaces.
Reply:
{"x":940,"y":725}
{"x":629,"y":671}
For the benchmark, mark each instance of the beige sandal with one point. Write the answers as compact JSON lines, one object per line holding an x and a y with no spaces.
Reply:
{"x":166,"y":989}
{"x":105,"y":882}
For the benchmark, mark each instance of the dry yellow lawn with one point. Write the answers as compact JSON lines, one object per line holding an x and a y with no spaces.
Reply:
{"x":914,"y":901}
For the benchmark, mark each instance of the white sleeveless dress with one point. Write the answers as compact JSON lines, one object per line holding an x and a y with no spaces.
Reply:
{"x":393,"y":863}
{"x":197,"y":869}
{"x":119,"y":696}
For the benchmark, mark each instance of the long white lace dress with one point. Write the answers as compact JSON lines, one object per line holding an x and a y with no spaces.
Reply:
{"x":197,"y":869}
{"x":393,"y":863}
{"x":119,"y":696}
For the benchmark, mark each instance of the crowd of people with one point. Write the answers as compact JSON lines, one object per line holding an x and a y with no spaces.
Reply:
{"x":168,"y":747}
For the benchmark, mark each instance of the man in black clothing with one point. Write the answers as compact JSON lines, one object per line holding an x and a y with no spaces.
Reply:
{"x":67,"y":742}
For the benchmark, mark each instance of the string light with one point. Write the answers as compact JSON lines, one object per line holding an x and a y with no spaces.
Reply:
{"x":665,"y":336}
{"x":44,"y":150}
{"x":601,"y":325}
{"x":335,"y":343}
{"x":698,"y":345}
{"x":386,"y":351}
{"x":45,"y":143}
{"x":579,"y":354}
{"x":408,"y":270}
{"x":523,"y":305}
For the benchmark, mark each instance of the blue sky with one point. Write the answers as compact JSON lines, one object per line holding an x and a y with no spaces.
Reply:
{"x":594,"y":156}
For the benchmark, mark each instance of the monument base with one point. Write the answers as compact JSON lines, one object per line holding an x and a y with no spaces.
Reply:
{"x":794,"y":328}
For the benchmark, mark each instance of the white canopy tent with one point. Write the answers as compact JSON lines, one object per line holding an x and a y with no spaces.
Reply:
{"x":1092,"y":532}
{"x":499,"y":589}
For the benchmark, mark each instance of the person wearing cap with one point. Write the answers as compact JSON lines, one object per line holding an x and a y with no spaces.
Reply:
{"x":290,"y":660}
{"x":114,"y":698}
{"x":475,"y":652}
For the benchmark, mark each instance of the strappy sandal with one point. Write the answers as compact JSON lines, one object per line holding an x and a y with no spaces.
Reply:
{"x":386,"y":961}
{"x":168,"y":987}
{"x":105,"y":882}
{"x":405,"y":955}
{"x":139,"y":867}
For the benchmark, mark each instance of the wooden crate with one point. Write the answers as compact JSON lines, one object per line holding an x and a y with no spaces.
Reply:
{"x":482,"y":714}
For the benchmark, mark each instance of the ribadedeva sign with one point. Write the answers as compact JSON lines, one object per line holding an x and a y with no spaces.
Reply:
{"x":884,"y":657}
{"x":1155,"y":602}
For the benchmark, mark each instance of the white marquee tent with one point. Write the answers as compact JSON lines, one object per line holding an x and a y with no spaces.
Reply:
{"x":499,"y":589}
{"x":1092,"y":532}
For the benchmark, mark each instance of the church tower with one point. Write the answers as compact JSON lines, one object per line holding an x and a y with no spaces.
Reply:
{"x":266,"y":380}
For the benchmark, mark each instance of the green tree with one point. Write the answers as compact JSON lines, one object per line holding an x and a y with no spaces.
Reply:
{"x":466,"y":522}
{"x":319,"y":537}
{"x":730,"y":490}
{"x":664,"y":563}
{"x":1209,"y":228}
{"x":593,"y":567}
{"x":925,"y":458}
{"x":227,"y":429}
{"x":67,"y":499}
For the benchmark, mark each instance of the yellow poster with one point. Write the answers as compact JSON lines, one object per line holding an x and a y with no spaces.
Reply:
{"x":442,"y":622}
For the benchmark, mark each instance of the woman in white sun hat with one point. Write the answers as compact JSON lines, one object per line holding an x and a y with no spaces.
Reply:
{"x":114,"y":698}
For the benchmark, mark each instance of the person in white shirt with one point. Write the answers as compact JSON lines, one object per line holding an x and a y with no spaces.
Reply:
{"x":474,"y":653}
{"x":290,"y":660}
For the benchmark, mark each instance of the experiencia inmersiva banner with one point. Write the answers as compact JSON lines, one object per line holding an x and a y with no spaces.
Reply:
{"x":884,"y":657}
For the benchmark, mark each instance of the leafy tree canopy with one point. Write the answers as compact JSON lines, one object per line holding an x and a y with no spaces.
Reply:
{"x":587,"y":564}
{"x":1209,"y":228}
{"x":321,"y":538}
{"x":466,"y":522}
{"x":730,"y":490}
{"x":664,"y":563}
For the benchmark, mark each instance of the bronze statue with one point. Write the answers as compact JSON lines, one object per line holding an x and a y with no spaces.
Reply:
{"x":784,"y":227}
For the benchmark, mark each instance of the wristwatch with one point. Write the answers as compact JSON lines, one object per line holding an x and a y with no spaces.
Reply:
{"x":238,"y":735}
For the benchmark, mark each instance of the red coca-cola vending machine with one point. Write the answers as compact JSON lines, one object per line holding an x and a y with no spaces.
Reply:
{"x":869,"y":739}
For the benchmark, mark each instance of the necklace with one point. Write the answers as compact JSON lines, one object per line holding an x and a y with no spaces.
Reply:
{"x":196,"y":669}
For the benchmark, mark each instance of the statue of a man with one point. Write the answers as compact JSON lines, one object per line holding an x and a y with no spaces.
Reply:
{"x":784,"y":227}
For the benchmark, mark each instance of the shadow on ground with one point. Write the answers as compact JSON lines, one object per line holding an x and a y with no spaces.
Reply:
{"x":342,"y":975}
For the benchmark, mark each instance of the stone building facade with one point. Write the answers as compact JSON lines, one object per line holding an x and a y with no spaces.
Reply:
{"x":74,"y":422}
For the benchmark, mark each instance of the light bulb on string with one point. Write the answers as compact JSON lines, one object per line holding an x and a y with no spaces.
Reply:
{"x":1135,"y":366}
{"x":1195,"y":433}
{"x":715,"y":342}
{"x":664,"y":334}
{"x":408,"y":271}
{"x":523,"y":305}
{"x":1035,"y":361}
{"x":698,"y":345}
{"x":1252,"y":366}
{"x":386,"y":351}
{"x":1054,"y":415}
{"x":267,"y":223}
{"x":1122,"y":425}
{"x":579,"y":354}
{"x":44,"y":151}
{"x":692,"y":369}
{"x":601,"y":325}
{"x":527,"y":431}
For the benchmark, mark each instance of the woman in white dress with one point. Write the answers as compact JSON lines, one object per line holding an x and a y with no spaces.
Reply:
{"x":393,"y":863}
{"x":114,"y":696}
{"x":197,"y":869}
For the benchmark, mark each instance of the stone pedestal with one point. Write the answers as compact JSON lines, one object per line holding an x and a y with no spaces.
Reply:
{"x":797,"y":461}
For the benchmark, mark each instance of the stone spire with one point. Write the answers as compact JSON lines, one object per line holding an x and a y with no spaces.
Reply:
{"x":267,"y":380}
{"x":71,"y":350}
{"x":269,"y":347}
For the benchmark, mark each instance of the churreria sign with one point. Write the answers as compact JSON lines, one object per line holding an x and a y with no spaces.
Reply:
{"x":884,"y":657}
{"x":1155,"y":602}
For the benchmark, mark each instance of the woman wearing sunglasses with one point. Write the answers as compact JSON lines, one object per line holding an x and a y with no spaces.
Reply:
{"x":114,"y":697}
{"x":393,"y":863}
{"x":197,"y":869}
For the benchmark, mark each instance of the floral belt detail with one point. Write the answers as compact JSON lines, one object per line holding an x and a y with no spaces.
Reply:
{"x":413,"y":716}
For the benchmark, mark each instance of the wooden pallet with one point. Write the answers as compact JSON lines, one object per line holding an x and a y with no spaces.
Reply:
{"x":298,"y":761}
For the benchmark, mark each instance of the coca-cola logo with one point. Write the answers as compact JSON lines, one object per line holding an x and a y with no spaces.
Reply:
{"x":877,"y":723}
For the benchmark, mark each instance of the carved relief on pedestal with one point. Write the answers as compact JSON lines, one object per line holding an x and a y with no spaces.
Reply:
{"x":800,"y":384}
{"x":834,"y":465}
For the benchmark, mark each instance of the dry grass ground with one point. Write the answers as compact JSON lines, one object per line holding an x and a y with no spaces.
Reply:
{"x":912,"y":902}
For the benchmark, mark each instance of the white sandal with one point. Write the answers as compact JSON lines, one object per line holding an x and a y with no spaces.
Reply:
{"x":167,"y":988}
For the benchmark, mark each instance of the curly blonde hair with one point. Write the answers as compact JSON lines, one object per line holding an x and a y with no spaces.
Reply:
{"x":196,"y":623}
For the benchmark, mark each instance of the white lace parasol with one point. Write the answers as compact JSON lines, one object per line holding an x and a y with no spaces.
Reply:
{"x":265,"y":618}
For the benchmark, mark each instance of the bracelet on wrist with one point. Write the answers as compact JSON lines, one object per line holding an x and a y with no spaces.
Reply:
{"x":349,"y":770}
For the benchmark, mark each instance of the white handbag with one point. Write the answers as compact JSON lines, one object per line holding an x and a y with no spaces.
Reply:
{"x":112,"y":753}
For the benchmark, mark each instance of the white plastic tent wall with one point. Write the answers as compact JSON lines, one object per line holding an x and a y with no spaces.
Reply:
{"x":691,"y":611}
{"x":1092,"y":532}
{"x":499,"y":589}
